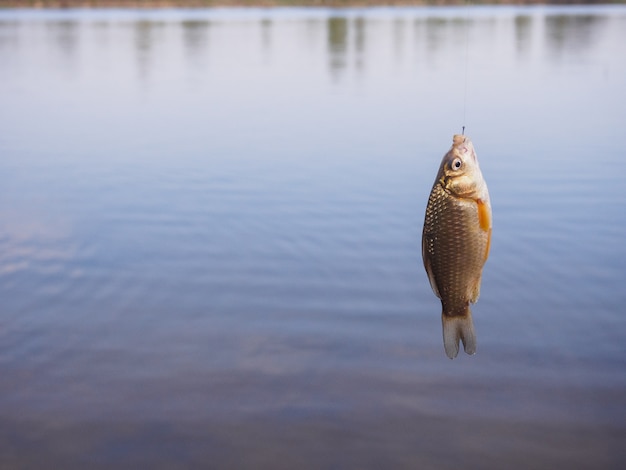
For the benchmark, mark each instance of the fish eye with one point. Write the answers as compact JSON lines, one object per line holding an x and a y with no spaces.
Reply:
{"x":456,"y":164}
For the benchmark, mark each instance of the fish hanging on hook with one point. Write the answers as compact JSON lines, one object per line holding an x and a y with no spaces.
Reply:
{"x":456,"y":240}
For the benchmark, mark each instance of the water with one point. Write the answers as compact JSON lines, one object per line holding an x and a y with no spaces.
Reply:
{"x":210,"y":236}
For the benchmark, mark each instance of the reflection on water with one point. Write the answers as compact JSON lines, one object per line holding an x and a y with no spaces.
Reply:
{"x":148,"y":36}
{"x":64,"y":34}
{"x":196,"y":34}
{"x":337,"y":43}
{"x":266,"y":33}
{"x":523,"y":34}
{"x":572,"y":33}
{"x":345,"y":35}
{"x":359,"y":44}
{"x":210,"y":230}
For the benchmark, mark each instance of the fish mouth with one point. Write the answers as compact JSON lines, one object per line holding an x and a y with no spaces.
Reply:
{"x":458,"y":139}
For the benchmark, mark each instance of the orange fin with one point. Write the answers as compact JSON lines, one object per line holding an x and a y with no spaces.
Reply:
{"x":488,"y":245}
{"x":484,"y":222}
{"x":484,"y":215}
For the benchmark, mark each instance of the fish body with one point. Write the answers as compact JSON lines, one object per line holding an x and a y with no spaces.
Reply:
{"x":456,"y":240}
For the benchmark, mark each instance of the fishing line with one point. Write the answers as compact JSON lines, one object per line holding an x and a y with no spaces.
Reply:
{"x":467,"y":3}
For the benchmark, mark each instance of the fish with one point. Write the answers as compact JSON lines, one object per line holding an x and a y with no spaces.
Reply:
{"x":456,"y":240}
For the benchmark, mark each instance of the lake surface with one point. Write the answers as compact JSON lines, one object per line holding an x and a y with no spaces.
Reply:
{"x":210,"y":238}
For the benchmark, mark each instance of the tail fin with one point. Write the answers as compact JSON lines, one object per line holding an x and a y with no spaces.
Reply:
{"x":455,"y":328}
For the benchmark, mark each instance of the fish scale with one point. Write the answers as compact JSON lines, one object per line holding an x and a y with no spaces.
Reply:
{"x":455,"y":235}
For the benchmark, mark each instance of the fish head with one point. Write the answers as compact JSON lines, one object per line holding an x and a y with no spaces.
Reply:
{"x":459,"y":173}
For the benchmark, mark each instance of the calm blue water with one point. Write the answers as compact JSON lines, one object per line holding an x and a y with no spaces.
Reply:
{"x":210,"y":238}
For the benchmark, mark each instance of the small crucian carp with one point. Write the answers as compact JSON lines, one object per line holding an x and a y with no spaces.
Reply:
{"x":455,"y":241}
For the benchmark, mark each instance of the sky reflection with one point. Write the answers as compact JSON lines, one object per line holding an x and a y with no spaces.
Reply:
{"x":347,"y":37}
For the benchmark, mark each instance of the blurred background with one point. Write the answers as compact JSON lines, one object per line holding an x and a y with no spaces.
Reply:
{"x":210,"y":237}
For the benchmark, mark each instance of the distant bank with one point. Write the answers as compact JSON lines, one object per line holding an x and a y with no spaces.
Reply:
{"x":276,"y":3}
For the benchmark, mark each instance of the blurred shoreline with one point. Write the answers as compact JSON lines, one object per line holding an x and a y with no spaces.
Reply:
{"x":278,"y":3}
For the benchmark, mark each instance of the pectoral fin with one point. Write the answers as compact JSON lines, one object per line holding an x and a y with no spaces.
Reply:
{"x":484,"y":215}
{"x":484,"y":222}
